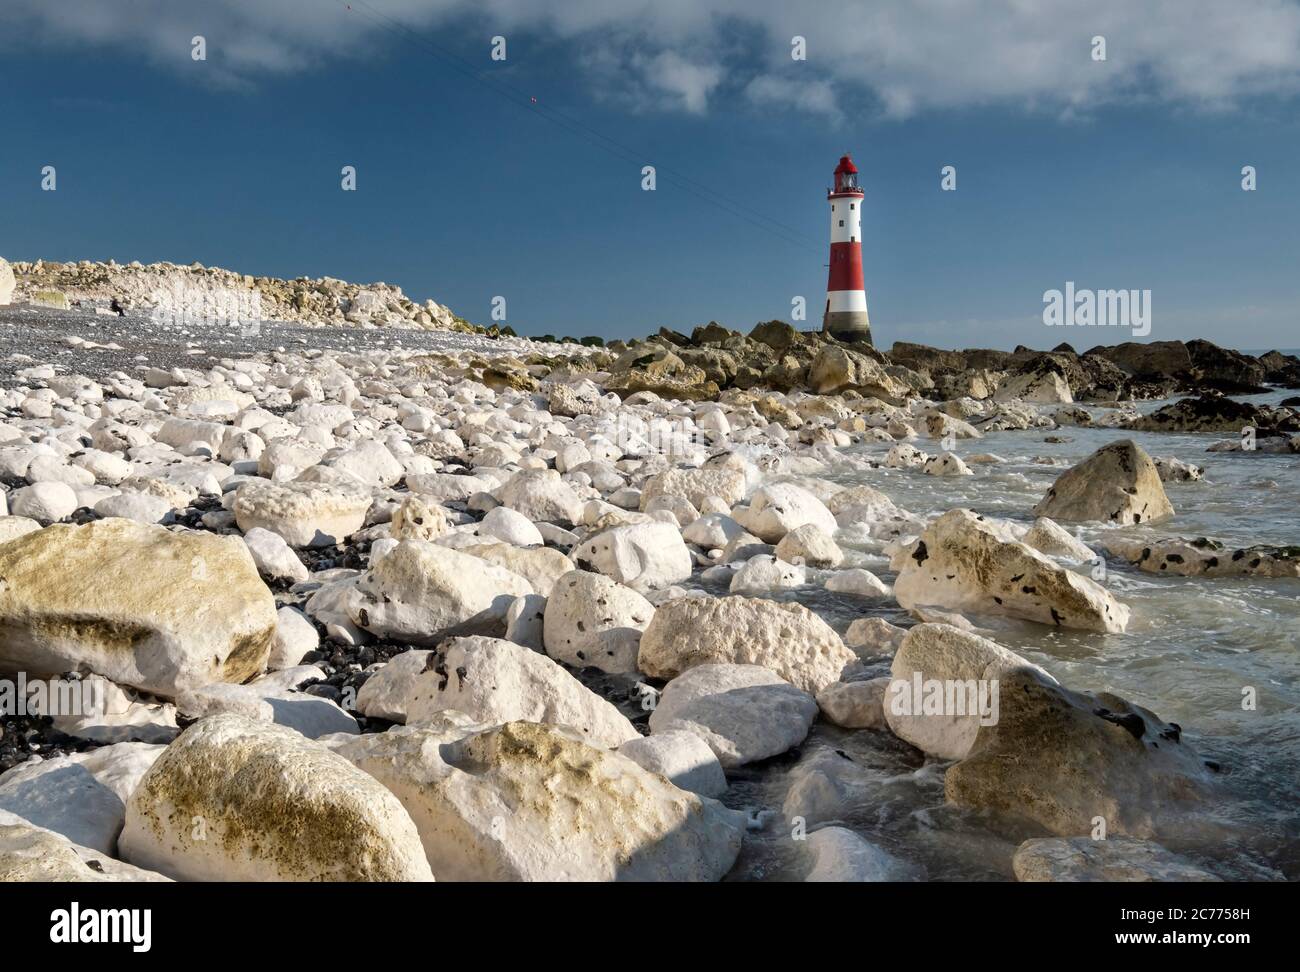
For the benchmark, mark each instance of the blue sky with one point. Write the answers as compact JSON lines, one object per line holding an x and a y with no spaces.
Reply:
{"x":1117,"y":175}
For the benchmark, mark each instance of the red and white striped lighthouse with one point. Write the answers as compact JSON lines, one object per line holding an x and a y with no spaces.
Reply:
{"x":846,"y":296}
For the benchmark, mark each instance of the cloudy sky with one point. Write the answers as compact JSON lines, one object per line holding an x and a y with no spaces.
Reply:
{"x":522,"y":177}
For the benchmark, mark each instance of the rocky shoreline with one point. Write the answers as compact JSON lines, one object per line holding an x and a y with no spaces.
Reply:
{"x":514,"y":610}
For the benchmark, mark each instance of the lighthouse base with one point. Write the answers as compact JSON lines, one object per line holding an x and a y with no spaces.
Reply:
{"x":848,"y":325}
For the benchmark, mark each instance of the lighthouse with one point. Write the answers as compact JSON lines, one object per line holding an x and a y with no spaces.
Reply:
{"x":846,"y":296}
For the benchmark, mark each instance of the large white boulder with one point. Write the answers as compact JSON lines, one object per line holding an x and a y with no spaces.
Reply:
{"x":786,"y":639}
{"x":236,"y":800}
{"x":530,"y":802}
{"x":494,"y":681}
{"x":1117,"y":484}
{"x":305,"y":514}
{"x":777,"y":509}
{"x":643,"y":556}
{"x":964,"y":563}
{"x":743,"y":712}
{"x":944,"y":684}
{"x":141,"y":605}
{"x":593,"y":621}
{"x":420,"y":592}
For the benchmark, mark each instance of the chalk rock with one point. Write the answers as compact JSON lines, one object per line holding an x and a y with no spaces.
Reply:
{"x":236,"y":800}
{"x":643,"y":556}
{"x":593,"y":621}
{"x":1113,"y":859}
{"x":929,"y":700}
{"x":275,"y":559}
{"x":840,"y":855}
{"x":421,"y":592}
{"x":495,"y":681}
{"x":743,"y":712}
{"x":1062,"y":758}
{"x":529,"y":802}
{"x":964,"y":563}
{"x":305,"y":514}
{"x":82,"y":795}
{"x":1116,"y":484}
{"x":682,"y":758}
{"x":777,"y":509}
{"x":1047,"y":536}
{"x":787,"y":639}
{"x":385,"y":693}
{"x":810,"y":545}
{"x":855,"y":705}
{"x":140,"y":605}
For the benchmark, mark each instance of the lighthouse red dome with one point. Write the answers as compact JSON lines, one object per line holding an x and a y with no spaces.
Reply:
{"x":846,"y":177}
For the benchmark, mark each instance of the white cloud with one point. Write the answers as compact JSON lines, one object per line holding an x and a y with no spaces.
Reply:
{"x":898,"y":56}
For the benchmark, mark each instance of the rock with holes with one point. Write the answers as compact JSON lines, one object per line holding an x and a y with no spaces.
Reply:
{"x":964,"y":563}
{"x":744,"y":712}
{"x":593,"y":621}
{"x":1117,"y":484}
{"x":530,"y":802}
{"x":1061,"y":759}
{"x":141,"y":605}
{"x":1204,"y":557}
{"x":780,"y":508}
{"x":787,"y":639}
{"x":494,"y":681}
{"x":237,"y":800}
{"x":765,"y":573}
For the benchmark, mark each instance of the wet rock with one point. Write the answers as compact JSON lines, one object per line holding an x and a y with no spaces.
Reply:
{"x":1112,"y":859}
{"x":1063,"y":758}
{"x":963,"y":563}
{"x":1204,"y":557}
{"x":1117,"y":484}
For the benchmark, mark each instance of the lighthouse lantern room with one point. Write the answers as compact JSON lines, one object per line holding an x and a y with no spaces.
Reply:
{"x":846,"y":296}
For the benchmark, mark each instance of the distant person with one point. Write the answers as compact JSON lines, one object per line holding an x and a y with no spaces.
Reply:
{"x":117,"y":308}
